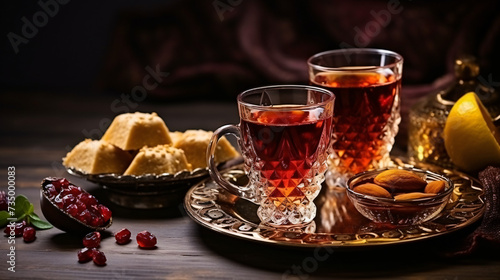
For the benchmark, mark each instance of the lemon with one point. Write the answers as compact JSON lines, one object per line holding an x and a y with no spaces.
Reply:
{"x":470,"y":137}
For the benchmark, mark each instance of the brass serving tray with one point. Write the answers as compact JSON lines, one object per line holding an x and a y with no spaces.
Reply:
{"x":337,"y":223}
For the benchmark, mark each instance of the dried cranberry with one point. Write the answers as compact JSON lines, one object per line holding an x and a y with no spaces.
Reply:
{"x":99,"y":258}
{"x":123,"y":236}
{"x":29,"y":234}
{"x":92,"y":240}
{"x":105,"y":212}
{"x":4,"y":204}
{"x":86,"y":254}
{"x":18,"y":229}
{"x":145,"y":239}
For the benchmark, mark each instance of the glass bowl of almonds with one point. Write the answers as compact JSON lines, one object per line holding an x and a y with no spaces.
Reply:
{"x":399,"y":196}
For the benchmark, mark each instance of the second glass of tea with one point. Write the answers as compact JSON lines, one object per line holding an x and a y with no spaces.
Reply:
{"x":367,"y":84}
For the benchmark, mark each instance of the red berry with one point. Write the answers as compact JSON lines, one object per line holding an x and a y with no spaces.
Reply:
{"x":60,"y":183}
{"x":105,"y":212}
{"x":50,"y":190}
{"x":29,"y":234}
{"x":4,"y":204}
{"x":58,"y":201}
{"x":68,"y":199}
{"x":146,"y":240}
{"x":92,"y":240}
{"x":95,"y":221}
{"x":72,"y":209}
{"x":123,"y":236}
{"x":99,"y":258}
{"x":18,"y":229}
{"x":81,"y":206}
{"x":87,"y":199}
{"x":86,"y":254}
{"x":84,"y":217}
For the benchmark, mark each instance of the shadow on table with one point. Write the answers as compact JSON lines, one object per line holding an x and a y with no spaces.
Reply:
{"x":384,"y":261}
{"x":176,"y":210}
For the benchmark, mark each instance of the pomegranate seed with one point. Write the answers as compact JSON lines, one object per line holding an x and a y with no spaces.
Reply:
{"x":58,"y":201}
{"x":76,"y":202}
{"x":29,"y":234}
{"x":60,"y":183}
{"x":145,"y":239}
{"x":85,"y":216}
{"x":105,"y":212}
{"x":86,"y":254}
{"x":99,"y":258}
{"x":68,"y":199}
{"x":50,"y":190}
{"x":74,"y":190}
{"x":18,"y":229}
{"x":123,"y":236}
{"x":95,"y":221}
{"x":81,"y":206}
{"x":92,"y":240}
{"x":87,"y":199}
{"x":72,"y":209}
{"x":3,"y":201}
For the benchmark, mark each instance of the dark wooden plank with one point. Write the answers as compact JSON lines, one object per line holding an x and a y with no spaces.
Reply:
{"x":36,"y":131}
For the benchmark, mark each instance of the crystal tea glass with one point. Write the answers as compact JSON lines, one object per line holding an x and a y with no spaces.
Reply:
{"x":284,"y":135}
{"x":366,"y":83}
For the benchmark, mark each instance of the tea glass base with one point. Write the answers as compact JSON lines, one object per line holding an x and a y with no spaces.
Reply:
{"x":300,"y":228}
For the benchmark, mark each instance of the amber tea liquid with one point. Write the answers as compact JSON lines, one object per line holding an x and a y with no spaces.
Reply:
{"x":366,"y":117}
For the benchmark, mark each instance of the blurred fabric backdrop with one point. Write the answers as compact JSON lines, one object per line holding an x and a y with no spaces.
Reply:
{"x":213,"y":49}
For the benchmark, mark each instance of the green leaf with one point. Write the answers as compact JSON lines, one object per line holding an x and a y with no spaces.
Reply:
{"x":22,"y":206}
{"x":3,"y":218}
{"x":39,"y":223}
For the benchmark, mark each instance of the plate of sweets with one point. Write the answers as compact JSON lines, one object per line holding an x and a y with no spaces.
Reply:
{"x":142,"y":164}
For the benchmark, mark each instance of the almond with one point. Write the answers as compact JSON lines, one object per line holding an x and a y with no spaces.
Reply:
{"x":413,"y":195}
{"x":397,"y":180}
{"x":373,"y":190}
{"x":435,"y":187}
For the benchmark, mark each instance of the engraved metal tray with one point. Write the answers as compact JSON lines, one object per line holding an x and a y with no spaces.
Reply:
{"x":337,"y":223}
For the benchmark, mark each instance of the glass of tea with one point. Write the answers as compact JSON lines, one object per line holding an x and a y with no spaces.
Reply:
{"x":366,"y":84}
{"x":284,"y":136}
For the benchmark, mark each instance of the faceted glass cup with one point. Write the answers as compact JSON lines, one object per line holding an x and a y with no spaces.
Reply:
{"x":284,"y":135}
{"x":367,"y":84}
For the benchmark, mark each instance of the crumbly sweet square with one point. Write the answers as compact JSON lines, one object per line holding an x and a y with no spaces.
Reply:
{"x":132,"y":131}
{"x":158,"y":160}
{"x":97,"y":157}
{"x":194,"y":143}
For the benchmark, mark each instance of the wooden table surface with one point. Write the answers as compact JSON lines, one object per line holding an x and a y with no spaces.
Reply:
{"x":38,"y":129}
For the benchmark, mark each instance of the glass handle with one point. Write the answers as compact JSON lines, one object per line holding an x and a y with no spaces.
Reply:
{"x":245,"y":192}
